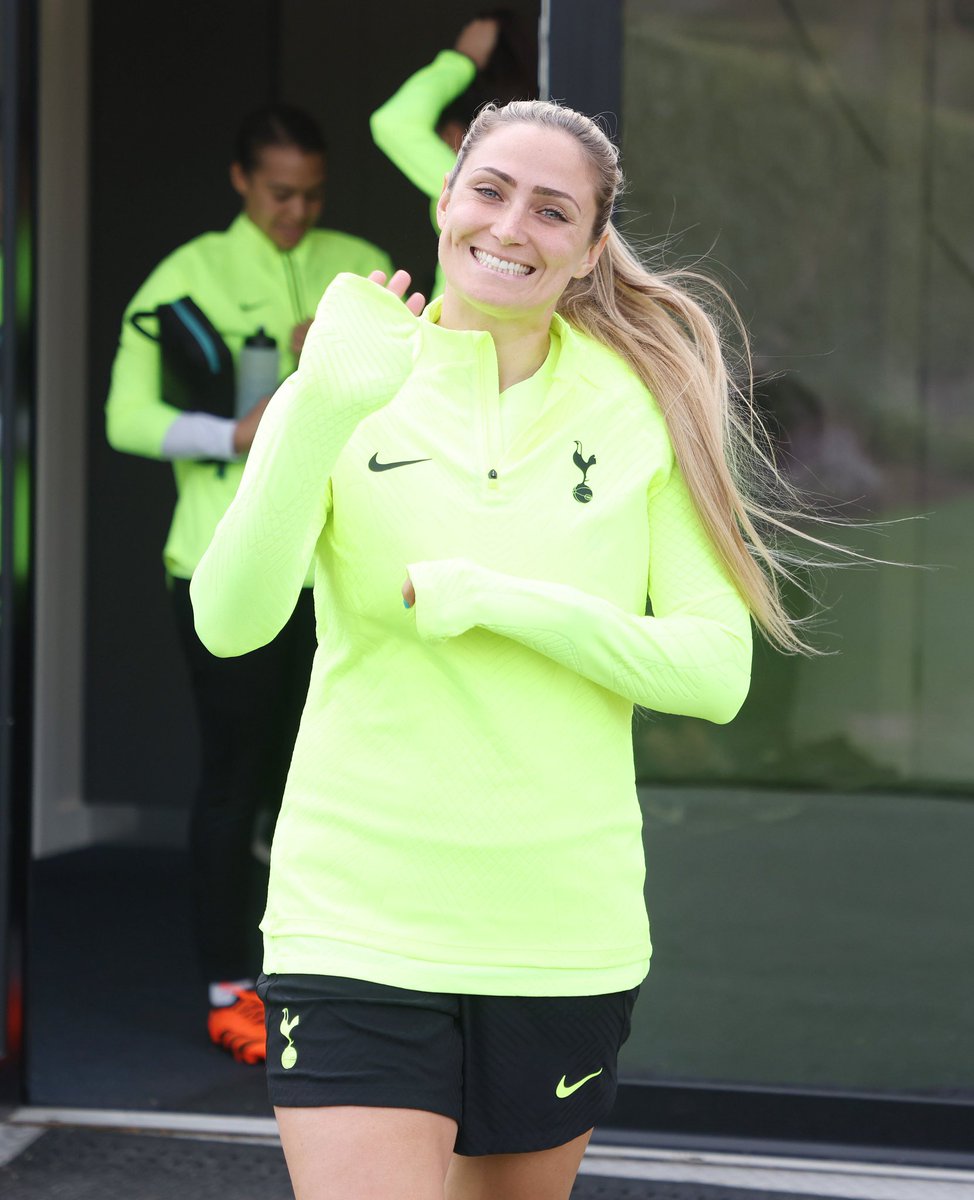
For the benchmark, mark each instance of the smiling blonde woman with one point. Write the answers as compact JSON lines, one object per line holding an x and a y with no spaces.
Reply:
{"x":455,"y":931}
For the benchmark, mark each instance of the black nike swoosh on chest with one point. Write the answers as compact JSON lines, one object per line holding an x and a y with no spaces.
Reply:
{"x":375,"y":465}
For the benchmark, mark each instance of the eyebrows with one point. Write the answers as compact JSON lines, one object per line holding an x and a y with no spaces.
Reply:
{"x":314,"y":190}
{"x":537,"y":191}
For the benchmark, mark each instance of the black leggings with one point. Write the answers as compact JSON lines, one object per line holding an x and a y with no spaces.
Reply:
{"x":248,"y":709}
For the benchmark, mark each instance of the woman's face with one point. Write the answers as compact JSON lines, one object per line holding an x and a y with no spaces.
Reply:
{"x":283,"y":194}
{"x":516,"y":228}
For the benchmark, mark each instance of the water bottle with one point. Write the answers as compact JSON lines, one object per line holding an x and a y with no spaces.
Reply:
{"x":258,"y":371}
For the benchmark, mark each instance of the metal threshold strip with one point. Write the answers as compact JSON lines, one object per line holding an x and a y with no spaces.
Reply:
{"x":790,"y":1176}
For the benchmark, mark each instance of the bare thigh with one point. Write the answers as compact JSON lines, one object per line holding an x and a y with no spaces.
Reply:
{"x":353,"y":1153}
{"x":539,"y":1175}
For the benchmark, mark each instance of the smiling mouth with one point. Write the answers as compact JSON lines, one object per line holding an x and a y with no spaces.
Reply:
{"x":502,"y":266}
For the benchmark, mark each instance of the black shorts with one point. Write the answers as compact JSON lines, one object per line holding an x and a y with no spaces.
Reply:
{"x":517,"y":1073}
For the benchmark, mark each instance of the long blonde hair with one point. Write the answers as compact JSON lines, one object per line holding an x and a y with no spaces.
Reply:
{"x":673,"y":341}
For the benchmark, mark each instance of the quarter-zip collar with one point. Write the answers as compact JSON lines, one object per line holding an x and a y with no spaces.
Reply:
{"x":473,"y":356}
{"x":574,"y":357}
{"x":242,"y":229}
{"x":291,"y":263}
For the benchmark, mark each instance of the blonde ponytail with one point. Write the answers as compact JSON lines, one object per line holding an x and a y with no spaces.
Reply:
{"x":673,"y":341}
{"x":657,"y":325}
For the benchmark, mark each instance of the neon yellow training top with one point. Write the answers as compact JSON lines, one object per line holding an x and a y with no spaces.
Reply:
{"x":461,"y":813}
{"x":242,"y":281}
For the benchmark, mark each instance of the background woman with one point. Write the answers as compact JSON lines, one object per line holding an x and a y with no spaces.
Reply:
{"x":266,"y":271}
{"x":455,"y":930}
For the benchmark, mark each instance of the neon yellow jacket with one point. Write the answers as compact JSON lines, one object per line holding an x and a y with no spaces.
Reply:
{"x":404,"y":128}
{"x":241,"y":280}
{"x":461,"y":812}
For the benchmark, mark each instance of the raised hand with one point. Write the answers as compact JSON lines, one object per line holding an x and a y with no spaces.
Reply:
{"x":477,"y":40}
{"x":398,"y":284}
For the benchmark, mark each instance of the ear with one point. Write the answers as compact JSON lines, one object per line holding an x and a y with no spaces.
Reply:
{"x":443,"y":202}
{"x":238,"y":179}
{"x":592,"y":257}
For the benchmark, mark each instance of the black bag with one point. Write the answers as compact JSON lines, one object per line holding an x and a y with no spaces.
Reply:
{"x":197,"y":367}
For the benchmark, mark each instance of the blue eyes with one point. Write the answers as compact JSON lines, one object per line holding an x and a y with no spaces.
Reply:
{"x":491,"y":193}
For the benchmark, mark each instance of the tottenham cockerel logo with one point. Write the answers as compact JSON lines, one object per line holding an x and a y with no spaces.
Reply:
{"x":289,"y":1055}
{"x":581,"y":491}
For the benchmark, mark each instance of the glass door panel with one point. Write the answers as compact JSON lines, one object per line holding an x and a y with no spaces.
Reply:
{"x":807,"y":874}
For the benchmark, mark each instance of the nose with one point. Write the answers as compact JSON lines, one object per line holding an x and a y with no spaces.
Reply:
{"x":508,"y":226}
{"x":299,"y":209}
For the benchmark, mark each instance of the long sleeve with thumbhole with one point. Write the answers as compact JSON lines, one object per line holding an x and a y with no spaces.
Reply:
{"x":691,"y":657}
{"x":248,"y":582}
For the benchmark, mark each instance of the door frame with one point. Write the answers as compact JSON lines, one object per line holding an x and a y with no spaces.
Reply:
{"x":17,"y":364}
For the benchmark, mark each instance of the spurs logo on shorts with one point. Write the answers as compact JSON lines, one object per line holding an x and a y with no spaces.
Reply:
{"x":289,"y":1055}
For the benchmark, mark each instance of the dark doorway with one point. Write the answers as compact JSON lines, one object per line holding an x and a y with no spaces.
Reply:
{"x":117,"y":1009}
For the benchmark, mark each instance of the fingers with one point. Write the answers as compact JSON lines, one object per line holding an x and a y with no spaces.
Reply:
{"x":398,"y":284}
{"x":416,"y":303}
{"x":408,"y":593}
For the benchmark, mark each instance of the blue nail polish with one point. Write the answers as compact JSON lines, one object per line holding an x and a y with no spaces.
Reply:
{"x":405,"y":602}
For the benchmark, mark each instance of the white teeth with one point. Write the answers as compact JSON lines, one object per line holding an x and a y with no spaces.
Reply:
{"x":500,"y":264}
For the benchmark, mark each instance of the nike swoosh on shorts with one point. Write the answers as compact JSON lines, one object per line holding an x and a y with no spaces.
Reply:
{"x":565,"y":1089}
